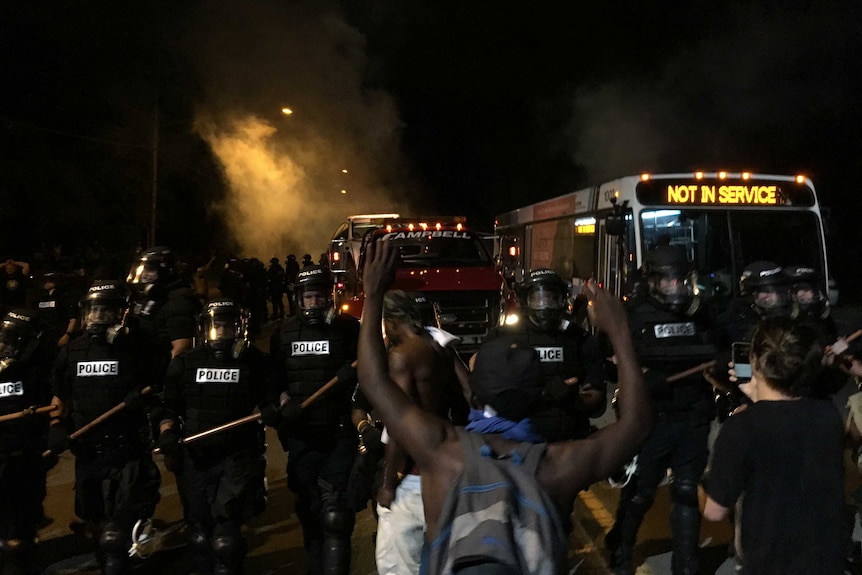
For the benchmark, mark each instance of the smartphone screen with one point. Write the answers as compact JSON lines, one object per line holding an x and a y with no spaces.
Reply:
{"x":740,"y":351}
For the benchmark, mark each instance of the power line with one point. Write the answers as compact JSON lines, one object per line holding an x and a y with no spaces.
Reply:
{"x":71,"y":135}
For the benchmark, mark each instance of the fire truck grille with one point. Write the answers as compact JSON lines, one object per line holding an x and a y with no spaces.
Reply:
{"x":467,"y":314}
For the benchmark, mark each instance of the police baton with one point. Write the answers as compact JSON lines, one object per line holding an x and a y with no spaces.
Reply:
{"x":254,"y":416}
{"x":26,"y":412}
{"x":110,"y":413}
{"x":841,"y":344}
{"x":691,"y":371}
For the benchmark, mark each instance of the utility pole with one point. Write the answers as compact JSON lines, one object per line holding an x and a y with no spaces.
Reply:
{"x":151,"y":236}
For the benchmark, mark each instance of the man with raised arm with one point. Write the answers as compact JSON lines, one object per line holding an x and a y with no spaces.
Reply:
{"x":474,"y":486}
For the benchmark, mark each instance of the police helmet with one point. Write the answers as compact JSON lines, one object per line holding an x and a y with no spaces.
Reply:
{"x":667,"y":272}
{"x":767,"y":283}
{"x":313,"y":288}
{"x":223,"y":323}
{"x":805,"y":292}
{"x":102,"y":306}
{"x":17,"y":332}
{"x":543,"y":295}
{"x":273,"y":260}
{"x":156,"y":265}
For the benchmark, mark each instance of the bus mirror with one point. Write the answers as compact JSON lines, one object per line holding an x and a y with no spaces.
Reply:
{"x":615,"y":225}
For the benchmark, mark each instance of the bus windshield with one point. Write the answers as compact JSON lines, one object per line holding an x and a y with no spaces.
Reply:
{"x":721,"y":243}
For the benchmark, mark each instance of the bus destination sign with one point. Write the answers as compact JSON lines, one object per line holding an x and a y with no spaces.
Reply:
{"x":724,"y":193}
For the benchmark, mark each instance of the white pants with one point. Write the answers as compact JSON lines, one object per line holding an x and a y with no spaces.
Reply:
{"x":401,"y":530}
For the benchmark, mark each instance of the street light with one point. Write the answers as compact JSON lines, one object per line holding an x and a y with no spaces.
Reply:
{"x":286,"y":111}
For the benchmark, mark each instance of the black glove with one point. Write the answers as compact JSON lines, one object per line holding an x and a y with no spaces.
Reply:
{"x":291,"y":412}
{"x":170,"y":442}
{"x":58,"y":439}
{"x":346,"y":373}
{"x":134,"y":400}
{"x":557,"y":389}
{"x":270,"y":415}
{"x":369,"y":438}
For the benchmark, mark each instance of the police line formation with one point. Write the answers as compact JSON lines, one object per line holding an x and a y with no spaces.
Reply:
{"x":146,"y":366}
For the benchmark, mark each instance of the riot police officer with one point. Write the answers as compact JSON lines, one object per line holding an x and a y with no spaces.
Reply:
{"x":23,"y":385}
{"x":671,"y":332}
{"x":275,"y":282}
{"x":308,"y":350}
{"x":116,"y":480}
{"x":164,"y":306}
{"x":219,"y":381}
{"x":572,"y":364}
{"x":58,"y":310}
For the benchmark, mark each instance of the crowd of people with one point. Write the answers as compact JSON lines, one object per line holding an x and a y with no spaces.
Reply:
{"x":471,"y":464}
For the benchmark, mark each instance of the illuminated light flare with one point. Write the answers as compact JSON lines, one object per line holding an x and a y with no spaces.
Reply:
{"x":722,"y":175}
{"x":746,"y":175}
{"x":698,"y":175}
{"x":644,"y":177}
{"x":800,"y":179}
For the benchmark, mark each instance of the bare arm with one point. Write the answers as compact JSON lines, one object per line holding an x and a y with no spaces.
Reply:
{"x":419,"y":432}
{"x":715,"y":512}
{"x":574,"y":465}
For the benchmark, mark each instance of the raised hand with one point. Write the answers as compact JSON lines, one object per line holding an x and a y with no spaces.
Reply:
{"x":381,"y":259}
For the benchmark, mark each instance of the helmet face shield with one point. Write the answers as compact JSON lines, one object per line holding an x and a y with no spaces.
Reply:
{"x":313,"y":302}
{"x":770,"y":298}
{"x":97,"y":316}
{"x":222,"y":324}
{"x":10,"y":340}
{"x":544,"y":297}
{"x":145,"y":272}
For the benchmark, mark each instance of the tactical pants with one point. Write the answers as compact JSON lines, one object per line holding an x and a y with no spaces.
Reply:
{"x":679,"y":445}
{"x":318,"y":474}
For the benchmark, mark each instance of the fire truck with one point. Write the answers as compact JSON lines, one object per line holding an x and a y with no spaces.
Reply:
{"x":440,"y":257}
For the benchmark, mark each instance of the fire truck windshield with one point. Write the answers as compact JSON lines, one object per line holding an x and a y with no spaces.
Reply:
{"x":447,"y":248}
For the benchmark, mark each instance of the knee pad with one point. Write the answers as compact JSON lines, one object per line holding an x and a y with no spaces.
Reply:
{"x":337,"y":522}
{"x":684,"y":492}
{"x":199,"y":542}
{"x":113,"y":540}
{"x":228,"y":545}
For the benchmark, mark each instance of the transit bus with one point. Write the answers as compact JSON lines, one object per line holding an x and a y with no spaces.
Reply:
{"x":724,"y":221}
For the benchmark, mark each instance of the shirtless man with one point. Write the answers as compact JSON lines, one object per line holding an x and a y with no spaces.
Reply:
{"x":425,"y":372}
{"x":450,"y":459}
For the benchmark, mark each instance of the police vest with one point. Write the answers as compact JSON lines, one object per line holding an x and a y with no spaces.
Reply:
{"x":217,"y":391}
{"x":669,"y":343}
{"x":555,"y":418}
{"x":101,"y":376}
{"x":22,"y":386}
{"x":312,"y":355}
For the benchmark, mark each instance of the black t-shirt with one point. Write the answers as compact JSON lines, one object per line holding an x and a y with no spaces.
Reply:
{"x":784,"y":459}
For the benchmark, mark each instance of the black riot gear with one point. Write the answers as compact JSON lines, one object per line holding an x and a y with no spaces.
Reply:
{"x":667,"y":272}
{"x":19,"y":332}
{"x":156,"y":265}
{"x":543,"y":295}
{"x":223,"y":325}
{"x":768,"y":285}
{"x":103,"y":307}
{"x":805,"y":292}
{"x":313,"y":289}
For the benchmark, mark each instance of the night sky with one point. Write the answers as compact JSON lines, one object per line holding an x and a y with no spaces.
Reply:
{"x":470,"y":108}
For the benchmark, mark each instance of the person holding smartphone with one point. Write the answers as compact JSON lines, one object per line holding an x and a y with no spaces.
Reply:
{"x":782,"y":458}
